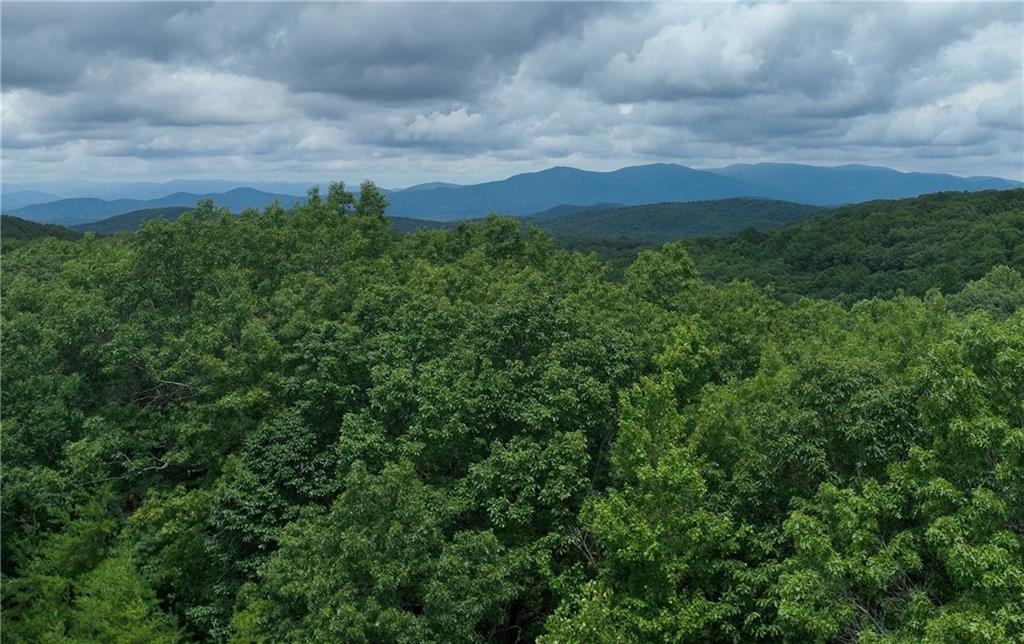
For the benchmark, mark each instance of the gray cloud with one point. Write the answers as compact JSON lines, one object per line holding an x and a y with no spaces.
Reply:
{"x":408,"y":92}
{"x":48,"y":46}
{"x":409,"y":52}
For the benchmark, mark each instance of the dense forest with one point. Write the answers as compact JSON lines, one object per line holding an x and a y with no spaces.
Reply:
{"x":130,"y":221}
{"x":663,"y":222}
{"x":877,"y":248}
{"x":301,"y":426}
{"x":18,"y":229}
{"x":651,"y":223}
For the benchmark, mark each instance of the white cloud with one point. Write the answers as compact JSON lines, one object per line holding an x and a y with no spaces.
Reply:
{"x":404,"y":93}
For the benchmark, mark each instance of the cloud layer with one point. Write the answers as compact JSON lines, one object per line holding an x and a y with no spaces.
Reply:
{"x":465,"y":92}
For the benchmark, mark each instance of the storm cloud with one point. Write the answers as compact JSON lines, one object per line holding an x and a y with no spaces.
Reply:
{"x":463,"y":92}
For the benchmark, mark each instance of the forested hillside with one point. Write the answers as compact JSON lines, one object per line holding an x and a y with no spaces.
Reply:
{"x":16,"y":229}
{"x":130,"y":221}
{"x":568,"y":208}
{"x":299,"y":426}
{"x":658,"y":222}
{"x":662,"y":222}
{"x":877,"y":248}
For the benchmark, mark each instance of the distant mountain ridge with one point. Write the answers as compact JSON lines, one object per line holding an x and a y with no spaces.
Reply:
{"x":432,"y":185}
{"x":525,"y":194}
{"x":561,"y":188}
{"x":18,"y":198}
{"x":130,"y":221}
{"x":145,"y":190}
{"x":650,"y":223}
{"x":832,"y":186}
{"x":532,"y":193}
{"x":82,"y":210}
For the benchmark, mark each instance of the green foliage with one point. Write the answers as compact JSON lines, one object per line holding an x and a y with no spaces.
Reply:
{"x":877,"y":248}
{"x":300,"y":426}
{"x":1000,"y":292}
{"x":659,"y":276}
{"x":665,"y":222}
{"x":372,"y":202}
{"x":79,"y":588}
{"x":14,"y":231}
{"x":132,"y":220}
{"x":379,"y":567}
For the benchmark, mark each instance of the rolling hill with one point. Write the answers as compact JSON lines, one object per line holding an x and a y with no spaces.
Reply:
{"x":533,"y":193}
{"x":11,"y":199}
{"x":407,"y":225}
{"x":661,"y":222}
{"x":143,"y":190}
{"x":569,"y":208}
{"x":75,"y":210}
{"x":130,"y":221}
{"x":152,"y":190}
{"x":852,"y":183}
{"x":22,"y":229}
{"x":550,"y":193}
{"x":83,"y":210}
{"x":649,"y":222}
{"x":877,"y":248}
{"x":431,"y":185}
{"x":525,"y":194}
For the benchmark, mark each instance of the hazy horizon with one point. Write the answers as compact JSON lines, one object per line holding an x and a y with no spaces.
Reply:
{"x":71,"y":186}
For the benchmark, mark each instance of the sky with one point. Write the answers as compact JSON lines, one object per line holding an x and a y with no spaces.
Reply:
{"x":465,"y":92}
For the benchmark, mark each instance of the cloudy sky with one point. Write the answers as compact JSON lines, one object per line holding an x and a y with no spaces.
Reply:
{"x":402,"y":93}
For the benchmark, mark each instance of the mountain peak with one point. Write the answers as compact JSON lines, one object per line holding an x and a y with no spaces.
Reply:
{"x":534,"y":192}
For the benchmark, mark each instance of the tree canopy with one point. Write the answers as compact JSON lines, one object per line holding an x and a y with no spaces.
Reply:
{"x":300,"y":426}
{"x":877,"y":248}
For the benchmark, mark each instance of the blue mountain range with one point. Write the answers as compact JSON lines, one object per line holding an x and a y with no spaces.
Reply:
{"x":555,"y":188}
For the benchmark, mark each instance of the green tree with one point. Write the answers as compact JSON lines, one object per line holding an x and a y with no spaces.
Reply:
{"x":372,"y":202}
